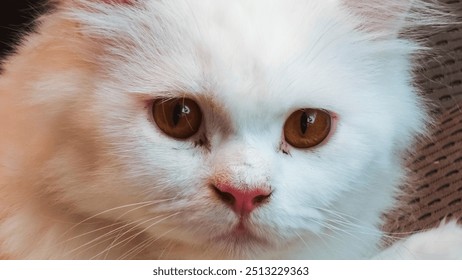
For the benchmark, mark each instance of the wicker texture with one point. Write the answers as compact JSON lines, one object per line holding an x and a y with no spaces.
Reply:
{"x":434,"y":190}
{"x":441,"y":74}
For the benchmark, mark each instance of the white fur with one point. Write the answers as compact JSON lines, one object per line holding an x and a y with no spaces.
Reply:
{"x":87,"y":174}
{"x":444,"y":242}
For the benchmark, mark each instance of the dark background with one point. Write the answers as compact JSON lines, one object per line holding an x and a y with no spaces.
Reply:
{"x":16,"y":17}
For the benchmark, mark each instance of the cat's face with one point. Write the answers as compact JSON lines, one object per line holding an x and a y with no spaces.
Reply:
{"x":190,"y":126}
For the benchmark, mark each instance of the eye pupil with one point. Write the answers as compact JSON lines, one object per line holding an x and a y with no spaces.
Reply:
{"x":307,"y":128}
{"x":304,"y":123}
{"x":177,"y":112}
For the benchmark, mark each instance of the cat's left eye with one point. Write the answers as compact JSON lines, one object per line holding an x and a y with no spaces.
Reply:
{"x":307,"y":128}
{"x":179,"y":118}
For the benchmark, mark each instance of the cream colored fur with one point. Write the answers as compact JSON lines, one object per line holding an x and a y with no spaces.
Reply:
{"x":85,"y":173}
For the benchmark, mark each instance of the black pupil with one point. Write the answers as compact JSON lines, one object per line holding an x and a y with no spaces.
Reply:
{"x":304,"y":122}
{"x":177,"y":113}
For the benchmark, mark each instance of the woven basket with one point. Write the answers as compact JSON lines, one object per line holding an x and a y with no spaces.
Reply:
{"x":434,"y":190}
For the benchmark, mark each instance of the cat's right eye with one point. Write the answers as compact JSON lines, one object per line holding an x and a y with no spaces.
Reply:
{"x":179,"y":118}
{"x":307,"y":128}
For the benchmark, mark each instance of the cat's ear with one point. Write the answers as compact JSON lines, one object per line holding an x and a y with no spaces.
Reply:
{"x":391,"y":17}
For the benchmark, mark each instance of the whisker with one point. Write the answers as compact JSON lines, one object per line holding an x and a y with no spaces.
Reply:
{"x":128,"y":239}
{"x":169,"y":246}
{"x":145,"y":244}
{"x":152,"y":202}
{"x":121,"y":234}
{"x":353,"y":226}
{"x":303,"y":241}
{"x":327,"y":226}
{"x":107,"y":234}
{"x":138,"y":205}
{"x":138,"y":248}
{"x":107,"y":211}
{"x":90,"y":232}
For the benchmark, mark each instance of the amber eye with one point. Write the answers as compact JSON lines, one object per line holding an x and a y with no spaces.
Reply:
{"x":307,"y":128}
{"x":179,"y":118}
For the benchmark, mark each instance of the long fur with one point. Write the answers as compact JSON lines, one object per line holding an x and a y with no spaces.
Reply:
{"x":85,"y":173}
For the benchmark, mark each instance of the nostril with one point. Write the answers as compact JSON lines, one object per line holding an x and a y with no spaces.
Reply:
{"x":226,"y":197}
{"x":259,"y":199}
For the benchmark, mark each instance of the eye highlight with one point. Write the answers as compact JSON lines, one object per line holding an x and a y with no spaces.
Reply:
{"x":179,"y":118}
{"x":306,"y":128}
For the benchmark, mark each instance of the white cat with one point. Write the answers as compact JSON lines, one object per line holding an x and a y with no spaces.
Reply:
{"x":221,"y":129}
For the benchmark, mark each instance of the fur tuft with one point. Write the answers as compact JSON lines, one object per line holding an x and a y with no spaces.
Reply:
{"x":391,"y":18}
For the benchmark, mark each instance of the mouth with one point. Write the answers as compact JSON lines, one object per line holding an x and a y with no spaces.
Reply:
{"x":241,"y":235}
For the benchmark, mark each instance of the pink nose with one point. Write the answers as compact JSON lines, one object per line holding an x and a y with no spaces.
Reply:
{"x":242,"y":201}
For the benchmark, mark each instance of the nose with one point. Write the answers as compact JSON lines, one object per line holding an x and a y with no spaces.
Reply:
{"x":242,"y":201}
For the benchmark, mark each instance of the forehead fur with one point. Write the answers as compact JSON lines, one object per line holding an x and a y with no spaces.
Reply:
{"x":186,"y":44}
{"x":180,"y":37}
{"x":241,"y":47}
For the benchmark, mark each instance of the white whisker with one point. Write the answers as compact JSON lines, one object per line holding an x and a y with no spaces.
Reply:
{"x":128,"y":239}
{"x":145,"y":244}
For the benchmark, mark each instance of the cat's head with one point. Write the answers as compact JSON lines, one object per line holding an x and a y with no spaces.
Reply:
{"x":241,"y":127}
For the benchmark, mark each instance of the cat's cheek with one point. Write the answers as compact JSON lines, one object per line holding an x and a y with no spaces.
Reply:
{"x":334,"y":124}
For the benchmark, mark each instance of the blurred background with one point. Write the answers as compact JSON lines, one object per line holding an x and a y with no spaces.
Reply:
{"x":16,"y":16}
